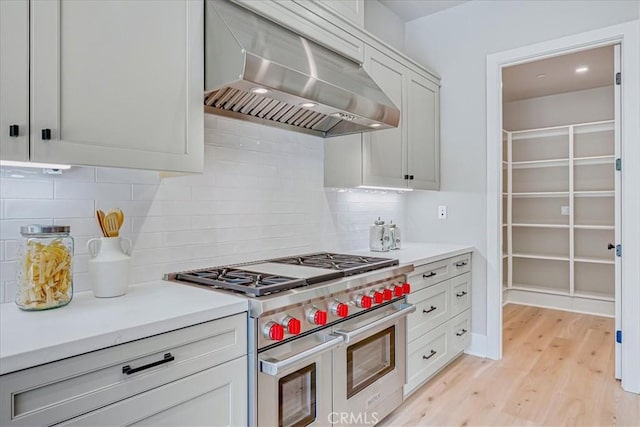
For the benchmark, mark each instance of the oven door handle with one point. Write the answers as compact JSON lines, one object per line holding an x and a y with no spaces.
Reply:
{"x":404,"y":311}
{"x":273,"y":367}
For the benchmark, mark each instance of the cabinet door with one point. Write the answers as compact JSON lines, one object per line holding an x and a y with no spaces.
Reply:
{"x":215,"y":397}
{"x":118,"y":83}
{"x":384,"y":151}
{"x":352,"y":10}
{"x":14,"y":80}
{"x":423,"y":123}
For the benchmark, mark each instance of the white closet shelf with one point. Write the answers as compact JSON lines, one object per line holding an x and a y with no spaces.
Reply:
{"x":592,"y":260}
{"x":594,"y":227}
{"x":540,"y":289}
{"x":541,"y":256}
{"x":594,"y":295}
{"x":541,"y":194}
{"x":595,"y":193}
{"x":540,"y":225}
{"x":579,"y":128}
{"x":550,"y":163}
{"x":594,"y":160}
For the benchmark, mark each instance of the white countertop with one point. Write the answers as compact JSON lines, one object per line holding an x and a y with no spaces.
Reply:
{"x":32,"y":338}
{"x":421,"y":253}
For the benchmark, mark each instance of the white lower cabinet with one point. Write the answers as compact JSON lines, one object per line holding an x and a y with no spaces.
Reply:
{"x":191,"y":376}
{"x":208,"y":398}
{"x":440,"y":328}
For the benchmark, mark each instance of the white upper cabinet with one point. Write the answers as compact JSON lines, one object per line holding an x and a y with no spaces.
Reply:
{"x":405,"y":157}
{"x":352,"y":10}
{"x":14,"y":80}
{"x":384,"y":151}
{"x":423,"y":133}
{"x":117,"y":83}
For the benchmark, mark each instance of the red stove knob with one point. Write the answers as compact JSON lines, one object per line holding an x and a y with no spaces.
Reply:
{"x":398,"y":291}
{"x":340,"y":309}
{"x":317,"y":317}
{"x":273,"y":331}
{"x":364,"y":301}
{"x":406,"y":288}
{"x":378,"y":297}
{"x":387,"y":294}
{"x":292,"y":325}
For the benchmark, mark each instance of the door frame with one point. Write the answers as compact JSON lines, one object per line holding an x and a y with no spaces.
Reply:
{"x":628,"y":36}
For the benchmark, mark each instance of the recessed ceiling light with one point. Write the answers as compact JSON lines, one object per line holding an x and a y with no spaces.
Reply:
{"x":308,"y":104}
{"x":582,"y":69}
{"x":259,"y":90}
{"x":541,"y":76}
{"x":375,"y":125}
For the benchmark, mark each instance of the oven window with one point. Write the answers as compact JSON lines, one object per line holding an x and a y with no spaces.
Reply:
{"x":370,"y":359}
{"x":297,"y":398}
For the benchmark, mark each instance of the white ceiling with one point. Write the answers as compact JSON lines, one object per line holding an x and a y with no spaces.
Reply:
{"x":408,"y":10}
{"x":522,"y":81}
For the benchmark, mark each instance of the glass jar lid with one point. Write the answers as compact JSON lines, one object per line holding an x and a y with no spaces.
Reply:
{"x":36,"y":229}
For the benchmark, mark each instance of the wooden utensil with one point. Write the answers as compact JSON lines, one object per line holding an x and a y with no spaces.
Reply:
{"x":111,"y":224}
{"x":120,"y":217}
{"x":100,"y":219}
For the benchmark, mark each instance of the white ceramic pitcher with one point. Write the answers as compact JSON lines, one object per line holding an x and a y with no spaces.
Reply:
{"x":109,"y":266}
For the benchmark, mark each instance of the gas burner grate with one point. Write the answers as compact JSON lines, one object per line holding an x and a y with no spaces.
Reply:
{"x":349,"y":264}
{"x":247,"y":282}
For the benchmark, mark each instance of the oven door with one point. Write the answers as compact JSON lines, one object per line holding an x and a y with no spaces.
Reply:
{"x":294,"y":382}
{"x":369,"y":370}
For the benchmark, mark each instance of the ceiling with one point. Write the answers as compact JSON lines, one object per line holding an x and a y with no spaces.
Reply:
{"x":523,"y":81}
{"x":408,"y":10}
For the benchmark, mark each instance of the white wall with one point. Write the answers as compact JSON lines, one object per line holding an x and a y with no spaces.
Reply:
{"x":383,"y":23}
{"x":455,"y":43}
{"x":261,"y":195}
{"x":582,"y":106}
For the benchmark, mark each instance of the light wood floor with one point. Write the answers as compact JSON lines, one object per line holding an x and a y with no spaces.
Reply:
{"x":557,"y":370}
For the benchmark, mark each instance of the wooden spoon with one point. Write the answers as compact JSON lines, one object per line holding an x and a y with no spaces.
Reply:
{"x":112,"y":225}
{"x":120,"y":217}
{"x":100,"y":219}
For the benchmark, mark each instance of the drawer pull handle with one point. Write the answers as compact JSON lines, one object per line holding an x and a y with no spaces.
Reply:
{"x":433,"y":307}
{"x":45,"y":134}
{"x":460,"y":264}
{"x":426,"y":276}
{"x":14,"y":130}
{"x":128,"y":370}
{"x":461,"y":294}
{"x":461,"y":333}
{"x":433,"y":353}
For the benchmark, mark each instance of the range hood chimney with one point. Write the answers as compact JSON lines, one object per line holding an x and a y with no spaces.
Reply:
{"x":259,"y":71}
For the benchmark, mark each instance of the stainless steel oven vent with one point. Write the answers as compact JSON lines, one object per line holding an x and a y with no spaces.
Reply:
{"x":260,"y":71}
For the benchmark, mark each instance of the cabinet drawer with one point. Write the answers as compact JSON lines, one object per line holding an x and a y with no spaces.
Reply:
{"x":460,"y":264}
{"x":460,"y":293}
{"x":57,"y":391}
{"x":460,"y":332}
{"x":214,"y":397}
{"x":429,"y":274}
{"x":426,"y":355}
{"x":432,"y":309}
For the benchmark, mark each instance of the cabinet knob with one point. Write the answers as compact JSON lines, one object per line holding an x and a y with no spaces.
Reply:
{"x":410,"y":177}
{"x":45,"y":134}
{"x":14,"y":130}
{"x":406,"y":177}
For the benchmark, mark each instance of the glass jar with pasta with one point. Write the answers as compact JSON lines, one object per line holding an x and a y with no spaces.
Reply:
{"x":45,"y":271}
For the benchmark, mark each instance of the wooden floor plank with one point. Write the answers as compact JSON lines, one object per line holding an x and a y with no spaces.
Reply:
{"x":558,"y":370}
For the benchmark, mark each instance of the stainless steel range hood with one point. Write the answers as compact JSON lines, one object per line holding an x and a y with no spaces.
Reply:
{"x":257,"y":70}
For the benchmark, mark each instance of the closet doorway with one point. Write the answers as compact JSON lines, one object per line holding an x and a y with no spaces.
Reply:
{"x":561,"y":193}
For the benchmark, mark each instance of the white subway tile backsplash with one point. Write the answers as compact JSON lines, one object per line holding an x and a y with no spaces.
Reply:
{"x":260,"y":196}
{"x":20,"y":189}
{"x":72,"y":190}
{"x":28,"y":208}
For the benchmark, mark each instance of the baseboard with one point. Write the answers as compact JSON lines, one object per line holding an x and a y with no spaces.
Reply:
{"x":478,"y":345}
{"x":561,"y":302}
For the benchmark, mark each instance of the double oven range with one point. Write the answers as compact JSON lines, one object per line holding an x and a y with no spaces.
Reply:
{"x":327,"y":336}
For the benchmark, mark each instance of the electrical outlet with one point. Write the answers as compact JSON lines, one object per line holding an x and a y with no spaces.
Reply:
{"x":564,"y":210}
{"x":442,"y":212}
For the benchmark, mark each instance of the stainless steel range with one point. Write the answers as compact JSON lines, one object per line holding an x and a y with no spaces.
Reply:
{"x":326,"y":336}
